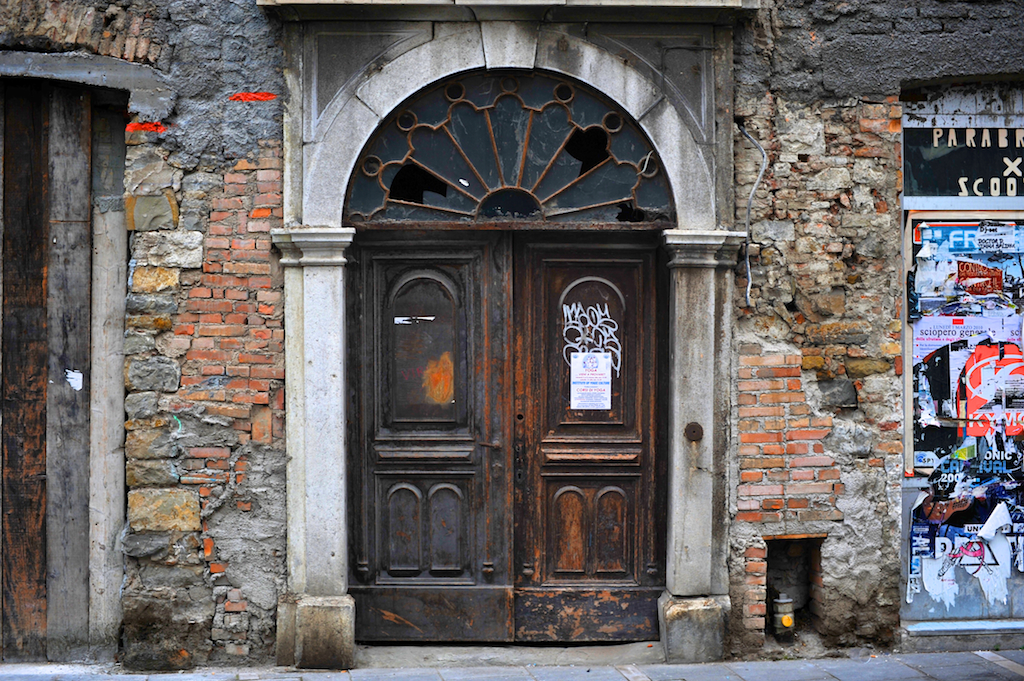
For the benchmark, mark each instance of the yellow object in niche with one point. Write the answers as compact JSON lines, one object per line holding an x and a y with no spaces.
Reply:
{"x":439,"y":379}
{"x":787,"y":620}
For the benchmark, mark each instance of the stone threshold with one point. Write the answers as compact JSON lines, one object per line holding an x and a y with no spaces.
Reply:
{"x":433,"y":655}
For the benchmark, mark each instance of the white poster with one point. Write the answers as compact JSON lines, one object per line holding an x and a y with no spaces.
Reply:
{"x":933,"y":332}
{"x":590,"y":380}
{"x":997,"y":237}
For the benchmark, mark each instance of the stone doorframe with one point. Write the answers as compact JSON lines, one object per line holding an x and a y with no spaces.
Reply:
{"x":316,"y":616}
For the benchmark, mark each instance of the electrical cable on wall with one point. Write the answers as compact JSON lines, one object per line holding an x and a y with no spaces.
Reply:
{"x":750,"y":199}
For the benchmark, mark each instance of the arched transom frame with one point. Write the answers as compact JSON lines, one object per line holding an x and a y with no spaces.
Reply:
{"x":503,"y":146}
{"x":334,"y":155}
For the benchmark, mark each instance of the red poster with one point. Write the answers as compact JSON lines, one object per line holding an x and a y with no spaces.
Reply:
{"x":978,"y":279}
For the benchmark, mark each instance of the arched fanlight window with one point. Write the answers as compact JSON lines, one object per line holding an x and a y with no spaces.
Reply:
{"x":494,"y":147}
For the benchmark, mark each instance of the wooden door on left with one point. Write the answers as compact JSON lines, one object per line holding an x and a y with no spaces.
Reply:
{"x":429,"y":472}
{"x":44,"y":385}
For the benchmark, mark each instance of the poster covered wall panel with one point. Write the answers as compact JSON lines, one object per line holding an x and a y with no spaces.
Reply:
{"x":966,"y":525}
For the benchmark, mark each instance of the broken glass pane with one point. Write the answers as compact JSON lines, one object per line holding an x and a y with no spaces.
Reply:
{"x":509,"y":121}
{"x":436,"y":150}
{"x":550,"y":130}
{"x":469,"y":128}
{"x":610,"y":181}
{"x":455,"y":153}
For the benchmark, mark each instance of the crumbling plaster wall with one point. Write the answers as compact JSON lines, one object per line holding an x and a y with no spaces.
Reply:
{"x":204,"y":363}
{"x":818,"y":400}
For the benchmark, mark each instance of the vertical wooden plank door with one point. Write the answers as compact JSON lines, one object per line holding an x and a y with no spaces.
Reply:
{"x":488,"y":504}
{"x":44,"y":384}
{"x":24,"y":372}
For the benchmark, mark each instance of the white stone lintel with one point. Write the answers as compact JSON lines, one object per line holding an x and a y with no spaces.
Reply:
{"x":308,"y":246}
{"x":702,"y":247}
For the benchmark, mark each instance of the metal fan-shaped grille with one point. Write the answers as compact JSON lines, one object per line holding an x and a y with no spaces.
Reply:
{"x":500,"y":147}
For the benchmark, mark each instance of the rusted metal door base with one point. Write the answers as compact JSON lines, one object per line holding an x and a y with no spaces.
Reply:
{"x":574,"y":615}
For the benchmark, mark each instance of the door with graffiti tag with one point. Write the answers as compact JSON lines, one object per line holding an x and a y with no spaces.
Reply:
{"x":504,"y":470}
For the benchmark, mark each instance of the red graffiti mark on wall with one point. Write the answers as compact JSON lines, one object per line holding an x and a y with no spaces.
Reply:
{"x":146,"y":127}
{"x":252,"y":97}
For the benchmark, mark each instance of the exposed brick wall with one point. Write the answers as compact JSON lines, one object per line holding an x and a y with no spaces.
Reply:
{"x":818,"y":408}
{"x":134,"y":33}
{"x":221,"y":324}
{"x":784,"y":472}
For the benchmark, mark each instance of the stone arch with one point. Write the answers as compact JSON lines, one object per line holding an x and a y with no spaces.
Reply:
{"x":352,"y":117}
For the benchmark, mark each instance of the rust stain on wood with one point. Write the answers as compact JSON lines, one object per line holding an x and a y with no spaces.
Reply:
{"x":439,"y":379}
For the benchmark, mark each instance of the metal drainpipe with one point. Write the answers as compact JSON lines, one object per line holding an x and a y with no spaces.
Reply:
{"x":750,"y":199}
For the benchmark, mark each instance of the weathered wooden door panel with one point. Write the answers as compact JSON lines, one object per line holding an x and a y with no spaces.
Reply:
{"x":45,"y":370}
{"x":69,"y":296}
{"x":440,"y":423}
{"x":24,"y":372}
{"x":450,"y":613}
{"x":430,"y":482}
{"x":588,"y":564}
{"x":581,"y":615}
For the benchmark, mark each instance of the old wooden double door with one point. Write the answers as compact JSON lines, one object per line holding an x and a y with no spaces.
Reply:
{"x":505,"y":477}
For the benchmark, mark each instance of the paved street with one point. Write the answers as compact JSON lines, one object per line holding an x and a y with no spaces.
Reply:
{"x":980,"y":666}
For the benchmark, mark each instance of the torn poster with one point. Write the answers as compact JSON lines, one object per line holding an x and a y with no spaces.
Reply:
{"x":965,"y":298}
{"x":967,"y":267}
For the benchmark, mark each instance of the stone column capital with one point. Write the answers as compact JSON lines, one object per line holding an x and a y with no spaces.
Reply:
{"x":702,"y":248}
{"x":307,"y":246}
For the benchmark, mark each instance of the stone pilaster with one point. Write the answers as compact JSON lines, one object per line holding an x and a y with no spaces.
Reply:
{"x":693,"y":608}
{"x":319,"y":615}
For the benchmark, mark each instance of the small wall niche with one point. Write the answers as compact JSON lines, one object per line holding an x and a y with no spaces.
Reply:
{"x":794,"y":569}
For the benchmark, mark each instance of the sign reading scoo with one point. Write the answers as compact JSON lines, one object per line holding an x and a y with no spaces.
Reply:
{"x":965,"y":162}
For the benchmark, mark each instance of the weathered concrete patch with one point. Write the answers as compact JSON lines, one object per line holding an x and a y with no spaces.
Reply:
{"x":169,"y":249}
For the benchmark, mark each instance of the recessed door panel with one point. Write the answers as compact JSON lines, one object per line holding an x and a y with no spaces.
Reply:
{"x":430,"y":486}
{"x":585,"y":351}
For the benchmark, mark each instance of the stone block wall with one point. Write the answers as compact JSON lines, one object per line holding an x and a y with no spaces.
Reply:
{"x":818,"y":394}
{"x":205,"y":408}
